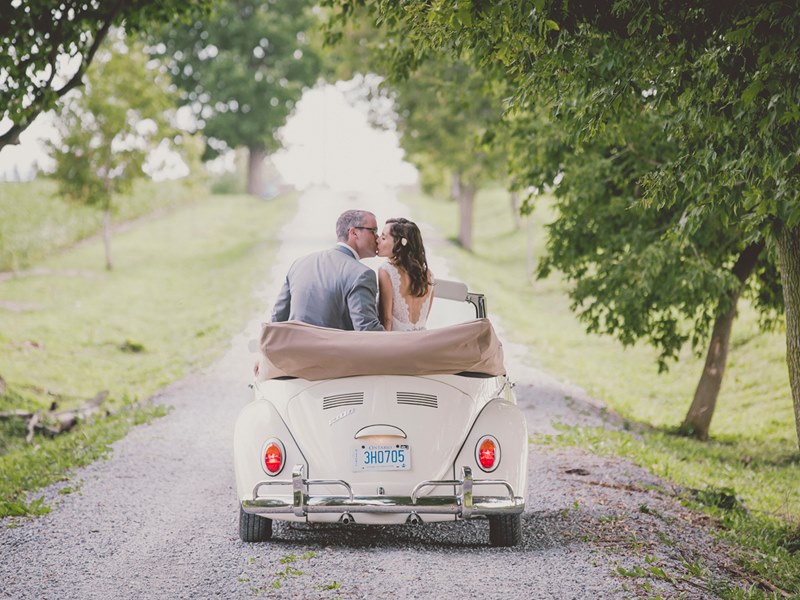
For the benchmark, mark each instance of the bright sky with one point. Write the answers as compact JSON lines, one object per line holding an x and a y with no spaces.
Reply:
{"x":327,"y":140}
{"x":330,"y":141}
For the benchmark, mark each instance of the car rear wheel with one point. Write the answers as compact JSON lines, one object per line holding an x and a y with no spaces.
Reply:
{"x":253,"y":528}
{"x":505,"y":530}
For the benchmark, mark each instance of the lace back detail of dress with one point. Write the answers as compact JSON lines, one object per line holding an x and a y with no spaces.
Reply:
{"x":401,"y":316}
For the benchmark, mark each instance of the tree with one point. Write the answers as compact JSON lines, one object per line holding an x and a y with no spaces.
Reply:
{"x":242,"y":71}
{"x":444,"y":112}
{"x":46,"y":47}
{"x":632,"y":278}
{"x":721,"y":82}
{"x":108,"y":131}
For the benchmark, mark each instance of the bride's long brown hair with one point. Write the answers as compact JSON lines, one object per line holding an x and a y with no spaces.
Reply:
{"x":410,"y":255}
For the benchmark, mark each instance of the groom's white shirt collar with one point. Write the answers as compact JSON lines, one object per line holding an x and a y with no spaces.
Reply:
{"x":353,"y":252}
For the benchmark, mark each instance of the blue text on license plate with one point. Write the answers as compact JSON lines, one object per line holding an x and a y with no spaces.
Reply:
{"x":382,"y":457}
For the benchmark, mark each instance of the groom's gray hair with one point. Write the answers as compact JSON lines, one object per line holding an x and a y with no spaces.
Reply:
{"x":348,"y":219}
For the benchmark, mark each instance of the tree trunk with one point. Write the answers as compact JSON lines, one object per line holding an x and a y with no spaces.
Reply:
{"x":530,"y":266}
{"x":698,"y":420}
{"x":107,"y":237}
{"x":515,"y":214}
{"x":789,"y":256}
{"x":255,"y":170}
{"x":455,"y":187}
{"x":466,"y":202}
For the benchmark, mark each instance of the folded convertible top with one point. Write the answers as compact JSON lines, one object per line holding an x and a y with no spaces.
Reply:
{"x":298,"y":349}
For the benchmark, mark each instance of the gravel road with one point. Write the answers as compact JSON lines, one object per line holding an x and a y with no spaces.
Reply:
{"x":158,"y":519}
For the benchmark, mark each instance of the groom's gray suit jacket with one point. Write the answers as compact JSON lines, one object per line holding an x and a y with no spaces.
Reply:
{"x":330,"y":289}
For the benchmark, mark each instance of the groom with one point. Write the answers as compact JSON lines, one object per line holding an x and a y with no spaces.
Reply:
{"x":332,"y":288}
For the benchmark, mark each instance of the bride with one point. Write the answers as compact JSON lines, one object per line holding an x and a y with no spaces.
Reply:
{"x":405,"y":283}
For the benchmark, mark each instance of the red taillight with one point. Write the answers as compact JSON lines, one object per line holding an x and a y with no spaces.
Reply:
{"x":272,"y":457}
{"x":487,"y":453}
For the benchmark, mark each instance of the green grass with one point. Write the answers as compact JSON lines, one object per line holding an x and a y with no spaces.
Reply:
{"x":26,"y":468}
{"x":182,"y":286}
{"x":35,"y":221}
{"x":753,"y":450}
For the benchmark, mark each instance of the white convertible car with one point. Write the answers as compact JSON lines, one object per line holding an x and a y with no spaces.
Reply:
{"x":383,"y":427}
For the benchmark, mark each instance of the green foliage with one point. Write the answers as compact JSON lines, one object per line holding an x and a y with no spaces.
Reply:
{"x":242,"y":69}
{"x":108,"y":130}
{"x":632,"y":276}
{"x":444,"y":113}
{"x":35,"y":36}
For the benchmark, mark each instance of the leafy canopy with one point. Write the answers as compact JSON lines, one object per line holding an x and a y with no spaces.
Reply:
{"x":671,"y":129}
{"x":108,"y":130}
{"x":242,"y":69}
{"x":47,"y":45}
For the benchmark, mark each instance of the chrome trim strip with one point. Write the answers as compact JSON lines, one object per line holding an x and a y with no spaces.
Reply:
{"x":332,"y":482}
{"x":383,"y":429}
{"x":431,"y":483}
{"x":496,"y":482}
{"x":270,"y":482}
{"x":467,"y":505}
{"x":463,"y":503}
{"x":481,"y":505}
{"x":298,"y":498}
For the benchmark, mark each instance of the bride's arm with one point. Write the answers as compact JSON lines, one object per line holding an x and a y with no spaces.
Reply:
{"x":385,"y":299}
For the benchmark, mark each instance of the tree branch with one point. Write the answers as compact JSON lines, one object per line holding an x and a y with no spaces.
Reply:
{"x":649,"y":161}
{"x":12,"y":135}
{"x":63,"y":420}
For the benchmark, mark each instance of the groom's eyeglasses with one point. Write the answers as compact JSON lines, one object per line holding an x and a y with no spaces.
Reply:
{"x":374,"y":230}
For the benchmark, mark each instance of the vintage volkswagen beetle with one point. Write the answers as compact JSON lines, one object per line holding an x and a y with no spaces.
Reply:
{"x":383,"y":427}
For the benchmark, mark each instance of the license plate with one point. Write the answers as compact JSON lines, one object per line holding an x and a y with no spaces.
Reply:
{"x":382,"y":457}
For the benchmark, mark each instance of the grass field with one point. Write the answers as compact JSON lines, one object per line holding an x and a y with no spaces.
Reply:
{"x":182,"y":285}
{"x":35,"y":221}
{"x":753,"y":454}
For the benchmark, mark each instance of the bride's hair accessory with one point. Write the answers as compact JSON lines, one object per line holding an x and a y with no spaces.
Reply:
{"x":403,"y":241}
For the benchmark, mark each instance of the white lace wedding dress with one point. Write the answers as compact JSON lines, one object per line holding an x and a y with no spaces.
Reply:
{"x":401,"y":317}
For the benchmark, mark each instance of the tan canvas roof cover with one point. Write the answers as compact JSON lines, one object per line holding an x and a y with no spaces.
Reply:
{"x":310,"y":352}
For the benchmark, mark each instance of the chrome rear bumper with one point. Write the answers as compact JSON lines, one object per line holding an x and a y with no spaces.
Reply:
{"x":461,"y":503}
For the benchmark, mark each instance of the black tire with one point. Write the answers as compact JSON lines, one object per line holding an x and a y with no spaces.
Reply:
{"x":505,"y":530}
{"x":253,"y":528}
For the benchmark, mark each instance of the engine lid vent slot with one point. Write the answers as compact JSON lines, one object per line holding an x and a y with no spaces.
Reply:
{"x":338,"y":400}
{"x":417,"y":399}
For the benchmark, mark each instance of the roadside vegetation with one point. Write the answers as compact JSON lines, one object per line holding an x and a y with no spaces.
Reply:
{"x":183,"y":284}
{"x":751,"y":464}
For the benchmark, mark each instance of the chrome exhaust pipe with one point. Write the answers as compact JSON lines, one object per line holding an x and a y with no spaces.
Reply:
{"x":346,"y":519}
{"x":414,"y":519}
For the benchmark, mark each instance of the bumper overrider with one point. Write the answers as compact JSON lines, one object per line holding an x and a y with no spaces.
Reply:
{"x":462,"y":503}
